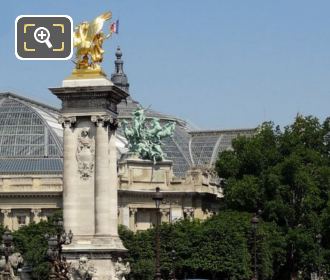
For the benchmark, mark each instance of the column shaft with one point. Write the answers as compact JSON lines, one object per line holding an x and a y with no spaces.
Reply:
{"x":113,"y":194}
{"x":103,"y":204}
{"x":70,"y":193}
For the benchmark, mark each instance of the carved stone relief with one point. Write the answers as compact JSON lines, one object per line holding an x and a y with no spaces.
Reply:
{"x":121,"y":269}
{"x":83,"y":271}
{"x":85,"y":154}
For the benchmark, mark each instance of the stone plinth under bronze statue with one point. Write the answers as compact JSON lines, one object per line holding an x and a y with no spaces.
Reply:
{"x":90,"y":175}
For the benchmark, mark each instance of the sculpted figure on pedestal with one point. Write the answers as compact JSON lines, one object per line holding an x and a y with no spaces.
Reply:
{"x":144,"y":139}
{"x":88,"y":39}
{"x":84,"y":271}
{"x":121,"y":269}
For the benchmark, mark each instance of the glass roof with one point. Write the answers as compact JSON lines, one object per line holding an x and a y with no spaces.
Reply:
{"x":28,"y":132}
{"x":31,"y":138}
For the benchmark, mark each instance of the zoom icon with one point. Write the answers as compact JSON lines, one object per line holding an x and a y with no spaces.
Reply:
{"x":46,"y":37}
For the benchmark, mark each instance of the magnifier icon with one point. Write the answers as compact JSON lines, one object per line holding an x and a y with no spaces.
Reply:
{"x":41,"y":35}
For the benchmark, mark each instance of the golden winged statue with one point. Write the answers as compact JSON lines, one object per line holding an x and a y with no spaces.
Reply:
{"x":88,"y":39}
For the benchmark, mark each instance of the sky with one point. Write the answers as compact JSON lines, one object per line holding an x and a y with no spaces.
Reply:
{"x":220,"y":64}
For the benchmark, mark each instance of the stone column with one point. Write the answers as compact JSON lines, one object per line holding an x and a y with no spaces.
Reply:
{"x":125,"y":216}
{"x":70,"y":192}
{"x":103,"y":205}
{"x":113,"y":194}
{"x":36,"y":215}
{"x":7,"y":219}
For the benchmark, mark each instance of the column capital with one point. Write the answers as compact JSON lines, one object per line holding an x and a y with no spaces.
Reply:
{"x":105,"y":120}
{"x":36,"y":211}
{"x":6,"y":212}
{"x":165,"y":211}
{"x":113,"y":125}
{"x":101,"y":120}
{"x":67,"y":122}
{"x":132,"y":211}
{"x":189,"y":211}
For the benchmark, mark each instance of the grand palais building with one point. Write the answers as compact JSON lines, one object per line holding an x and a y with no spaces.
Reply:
{"x":31,"y":165}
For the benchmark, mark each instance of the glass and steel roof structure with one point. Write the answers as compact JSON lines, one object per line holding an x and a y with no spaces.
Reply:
{"x":30,"y":136}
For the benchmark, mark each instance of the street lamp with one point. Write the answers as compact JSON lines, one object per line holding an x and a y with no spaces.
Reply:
{"x":158,"y":197}
{"x":319,"y":240}
{"x":55,"y":242}
{"x":255,"y":222}
{"x":7,"y":249}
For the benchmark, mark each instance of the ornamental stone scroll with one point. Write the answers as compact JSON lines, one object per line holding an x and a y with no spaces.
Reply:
{"x":105,"y":120}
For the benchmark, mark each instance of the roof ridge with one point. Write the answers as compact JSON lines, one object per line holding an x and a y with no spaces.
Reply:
{"x":222,"y":130}
{"x":29,"y":100}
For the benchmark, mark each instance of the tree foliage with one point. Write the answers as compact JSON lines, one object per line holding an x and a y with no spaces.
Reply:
{"x":31,"y":242}
{"x":287,"y":175}
{"x":218,"y":248}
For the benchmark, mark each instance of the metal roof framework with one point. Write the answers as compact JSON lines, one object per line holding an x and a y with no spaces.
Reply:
{"x":31,"y":138}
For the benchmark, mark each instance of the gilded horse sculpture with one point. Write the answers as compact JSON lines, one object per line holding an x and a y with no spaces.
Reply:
{"x":88,"y":40}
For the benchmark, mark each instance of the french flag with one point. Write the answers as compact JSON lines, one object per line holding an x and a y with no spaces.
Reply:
{"x":114,"y":28}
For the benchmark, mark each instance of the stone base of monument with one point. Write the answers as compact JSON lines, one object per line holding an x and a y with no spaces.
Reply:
{"x":96,"y":261}
{"x":144,"y":174}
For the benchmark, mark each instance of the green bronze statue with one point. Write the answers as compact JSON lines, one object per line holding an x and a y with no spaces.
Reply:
{"x":144,"y":138}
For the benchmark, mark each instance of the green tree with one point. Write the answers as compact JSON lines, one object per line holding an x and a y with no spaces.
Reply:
{"x":31,"y":242}
{"x":287,"y":175}
{"x":217,"y":248}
